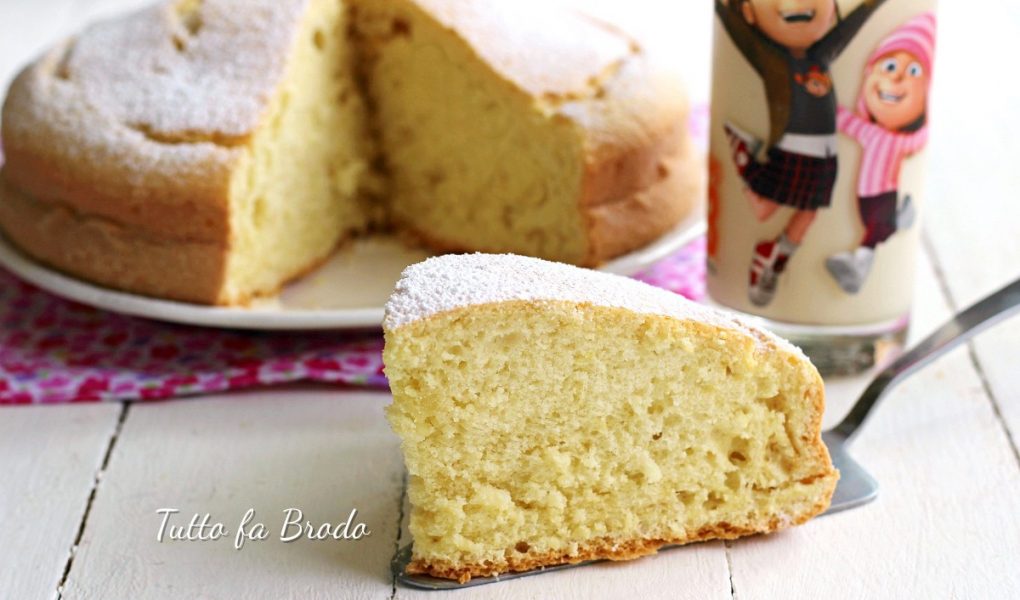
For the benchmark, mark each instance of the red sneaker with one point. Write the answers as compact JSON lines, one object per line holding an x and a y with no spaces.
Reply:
{"x":766,"y":265}
{"x":743,"y":146}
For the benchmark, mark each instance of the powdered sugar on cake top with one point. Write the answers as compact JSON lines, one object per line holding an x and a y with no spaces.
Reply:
{"x":206,"y":71}
{"x":183,"y":70}
{"x":449,"y":282}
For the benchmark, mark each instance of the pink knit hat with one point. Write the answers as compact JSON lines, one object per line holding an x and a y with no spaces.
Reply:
{"x":916,"y":36}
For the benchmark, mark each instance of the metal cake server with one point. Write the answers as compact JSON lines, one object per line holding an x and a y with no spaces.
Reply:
{"x":856,"y":487}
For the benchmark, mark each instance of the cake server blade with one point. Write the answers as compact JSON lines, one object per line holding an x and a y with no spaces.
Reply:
{"x":856,"y":487}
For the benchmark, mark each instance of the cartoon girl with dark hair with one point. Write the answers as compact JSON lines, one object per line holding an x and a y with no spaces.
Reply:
{"x":790,"y":43}
{"x":890,"y":125}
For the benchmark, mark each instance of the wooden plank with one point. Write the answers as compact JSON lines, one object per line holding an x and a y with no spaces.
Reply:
{"x":324,"y":452}
{"x":974,"y":219}
{"x":945,"y":523}
{"x":50,"y":458}
{"x":935,"y":445}
{"x":997,"y":353}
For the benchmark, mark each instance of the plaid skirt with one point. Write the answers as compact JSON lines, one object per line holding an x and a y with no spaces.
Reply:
{"x":797,"y":180}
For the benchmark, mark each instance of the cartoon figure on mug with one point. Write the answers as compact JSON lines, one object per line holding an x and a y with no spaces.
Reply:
{"x":890,"y":124}
{"x":790,"y":43}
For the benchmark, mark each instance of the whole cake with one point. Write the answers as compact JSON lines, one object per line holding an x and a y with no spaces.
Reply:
{"x":550,"y":415}
{"x":211,"y":150}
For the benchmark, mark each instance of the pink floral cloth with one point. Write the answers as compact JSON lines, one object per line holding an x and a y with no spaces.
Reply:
{"x":55,"y":351}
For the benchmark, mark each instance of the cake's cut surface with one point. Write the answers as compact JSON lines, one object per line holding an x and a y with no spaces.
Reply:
{"x":210,"y":150}
{"x":512,"y":152}
{"x":550,"y":415}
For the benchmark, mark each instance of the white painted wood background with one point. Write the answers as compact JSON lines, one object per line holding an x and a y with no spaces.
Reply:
{"x":79,"y":485}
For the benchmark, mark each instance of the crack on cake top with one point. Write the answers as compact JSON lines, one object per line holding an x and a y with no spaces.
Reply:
{"x":597,"y":85}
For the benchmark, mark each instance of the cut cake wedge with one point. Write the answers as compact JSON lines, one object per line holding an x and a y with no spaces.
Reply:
{"x":553,"y":415}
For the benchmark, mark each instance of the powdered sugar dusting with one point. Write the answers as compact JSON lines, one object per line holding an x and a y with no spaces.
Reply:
{"x":449,"y":282}
{"x":517,"y":38}
{"x":151,"y":110}
{"x":185,"y":69}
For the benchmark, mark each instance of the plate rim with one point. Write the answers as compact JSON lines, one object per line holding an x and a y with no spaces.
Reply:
{"x":272,"y":318}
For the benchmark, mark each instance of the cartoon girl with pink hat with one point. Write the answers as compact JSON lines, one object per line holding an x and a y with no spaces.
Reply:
{"x":890,"y":124}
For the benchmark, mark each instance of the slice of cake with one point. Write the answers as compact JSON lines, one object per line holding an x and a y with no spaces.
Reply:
{"x":211,"y":150}
{"x":553,"y":415}
{"x":524,"y":127}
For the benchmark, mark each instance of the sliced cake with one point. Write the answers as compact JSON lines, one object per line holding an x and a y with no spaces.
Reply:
{"x":524,"y":127}
{"x":550,"y":415}
{"x":211,"y":150}
{"x":195,"y":150}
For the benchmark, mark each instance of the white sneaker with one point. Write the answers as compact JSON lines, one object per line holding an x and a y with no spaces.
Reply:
{"x":842,"y":268}
{"x":906,"y":214}
{"x":851,"y":269}
{"x":743,"y":146}
{"x":766,"y":265}
{"x":864,"y":258}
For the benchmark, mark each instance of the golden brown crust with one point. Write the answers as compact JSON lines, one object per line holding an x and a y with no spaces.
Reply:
{"x":59,"y":147}
{"x":609,"y":549}
{"x":110,"y":254}
{"x":645,"y":215}
{"x":642,"y":173}
{"x":89,"y":196}
{"x":122,"y":162}
{"x":815,"y":399}
{"x":118,"y":257}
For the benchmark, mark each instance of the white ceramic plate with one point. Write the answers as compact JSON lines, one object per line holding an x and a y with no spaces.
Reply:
{"x":348,"y":292}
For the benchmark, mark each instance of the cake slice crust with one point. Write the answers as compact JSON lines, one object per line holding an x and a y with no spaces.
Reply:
{"x":545,"y":429}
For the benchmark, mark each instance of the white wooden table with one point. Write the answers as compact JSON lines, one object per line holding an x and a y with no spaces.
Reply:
{"x":80,"y":485}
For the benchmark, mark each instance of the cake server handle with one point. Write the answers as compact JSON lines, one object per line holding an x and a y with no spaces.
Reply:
{"x":965,"y":325}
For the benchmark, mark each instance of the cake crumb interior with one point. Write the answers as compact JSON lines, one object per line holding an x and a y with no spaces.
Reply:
{"x":471,"y":160}
{"x":300,"y":186}
{"x":535,"y":433}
